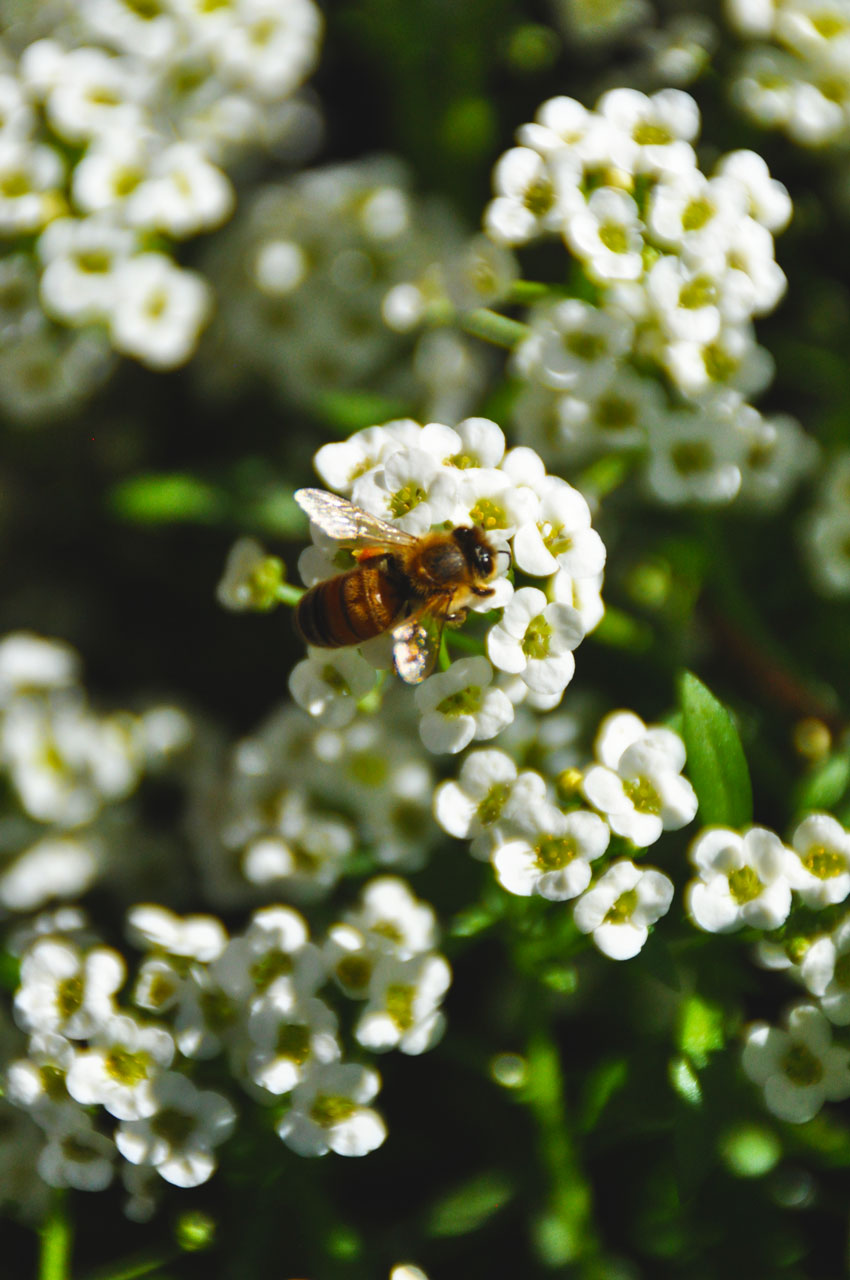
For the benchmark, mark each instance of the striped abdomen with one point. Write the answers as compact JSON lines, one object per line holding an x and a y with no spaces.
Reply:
{"x":353,"y":607}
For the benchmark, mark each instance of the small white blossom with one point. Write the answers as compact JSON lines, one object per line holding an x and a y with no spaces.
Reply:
{"x":328,"y":1112}
{"x":76,"y":1155}
{"x":330,"y":683}
{"x":555,"y":860}
{"x":821,"y":868}
{"x":63,"y":989}
{"x":118,"y":1069}
{"x":798,"y":1069}
{"x":574,"y":346}
{"x":403,"y":1004}
{"x":272,"y":957}
{"x":195,"y":937}
{"x":290,"y":1039}
{"x":392,"y":920}
{"x":535,"y":640}
{"x":621,"y":906}
{"x":643,"y":793}
{"x":606,"y":235}
{"x":489,"y":796}
{"x":560,"y":538}
{"x":743,"y":880}
{"x":825,"y":969}
{"x":178,"y":1139}
{"x":461,"y":705}
{"x":159,"y":311}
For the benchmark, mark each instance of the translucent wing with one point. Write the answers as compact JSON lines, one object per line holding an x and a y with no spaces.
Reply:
{"x":340,"y":519}
{"x":416,"y":641}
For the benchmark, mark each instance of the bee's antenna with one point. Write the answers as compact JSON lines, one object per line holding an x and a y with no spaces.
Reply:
{"x":503,"y":551}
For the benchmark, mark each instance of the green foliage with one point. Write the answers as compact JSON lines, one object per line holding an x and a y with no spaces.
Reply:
{"x":716,"y":765}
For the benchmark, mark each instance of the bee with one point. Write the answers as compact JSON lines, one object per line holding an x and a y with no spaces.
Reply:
{"x":407,"y":585}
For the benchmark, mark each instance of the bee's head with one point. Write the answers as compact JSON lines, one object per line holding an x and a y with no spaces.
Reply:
{"x":477,"y":552}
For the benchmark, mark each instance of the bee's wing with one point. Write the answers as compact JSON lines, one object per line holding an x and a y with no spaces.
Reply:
{"x":340,"y":519}
{"x":416,"y":641}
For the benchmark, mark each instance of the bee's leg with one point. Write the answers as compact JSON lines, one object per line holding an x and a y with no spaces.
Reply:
{"x":457,"y":618}
{"x":484,"y":592}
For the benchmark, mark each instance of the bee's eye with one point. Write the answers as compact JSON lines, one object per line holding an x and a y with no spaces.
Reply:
{"x":483,"y":560}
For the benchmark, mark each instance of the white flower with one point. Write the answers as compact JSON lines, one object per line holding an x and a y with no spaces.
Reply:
{"x":183,"y":193}
{"x":606,"y":234}
{"x":340,"y":463}
{"x":460,"y":705}
{"x":328,"y":1114}
{"x":555,"y":860}
{"x":779,"y":454}
{"x":769,"y":201}
{"x":644,"y":793}
{"x":144,"y":30}
{"x":273,"y":957}
{"x":265,"y":46}
{"x":825,"y":969}
{"x":31,"y":664}
{"x":330,"y":683}
{"x":732,"y":359}
{"x":37,"y":1082}
{"x":574,"y":346}
{"x":77,"y":1156}
{"x":29,"y":178}
{"x":619,"y":908}
{"x":827,"y":540}
{"x":392,"y":920}
{"x":82,"y":258}
{"x":118,"y":1069}
{"x":53,"y":867}
{"x":798,"y":1069}
{"x":250,"y":579}
{"x":743,"y":880}
{"x":63,"y":989}
{"x":492,"y":499}
{"x":177,"y":1140}
{"x":290,"y":1039}
{"x":661,"y":127}
{"x":159,"y":311}
{"x":411,"y":489}
{"x":695,"y":214}
{"x":349,"y":960}
{"x":403,"y":1009}
{"x":535,"y":639}
{"x":94,"y":92}
{"x":474,"y":442}
{"x":560,"y":538}
{"x":195,"y":937}
{"x":696,"y":457}
{"x":821,"y":869}
{"x":532,"y":194}
{"x":489,"y":796}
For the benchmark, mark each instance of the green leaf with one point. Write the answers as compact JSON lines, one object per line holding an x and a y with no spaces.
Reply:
{"x":347,"y":411}
{"x":716,"y":766}
{"x":700,"y":1031}
{"x":469,"y":1206}
{"x":825,"y":785}
{"x":619,"y":630}
{"x":168,"y":498}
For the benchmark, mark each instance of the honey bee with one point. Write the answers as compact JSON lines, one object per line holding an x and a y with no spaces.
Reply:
{"x":407,"y":585}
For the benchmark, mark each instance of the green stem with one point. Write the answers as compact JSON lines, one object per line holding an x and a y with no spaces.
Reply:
{"x":56,"y":1237}
{"x":286,"y":593}
{"x":133,"y":1268}
{"x":489,"y":325}
{"x":566,"y":1232}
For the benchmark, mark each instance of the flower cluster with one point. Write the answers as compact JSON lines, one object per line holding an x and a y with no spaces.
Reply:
{"x":540,"y":844}
{"x":67,"y":768}
{"x":302,"y":275}
{"x":656,"y":353}
{"x":199,"y":995}
{"x":440,"y":477}
{"x":111,"y":152}
{"x":797,"y":77}
{"x":291,"y":804}
{"x":750,"y":879}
